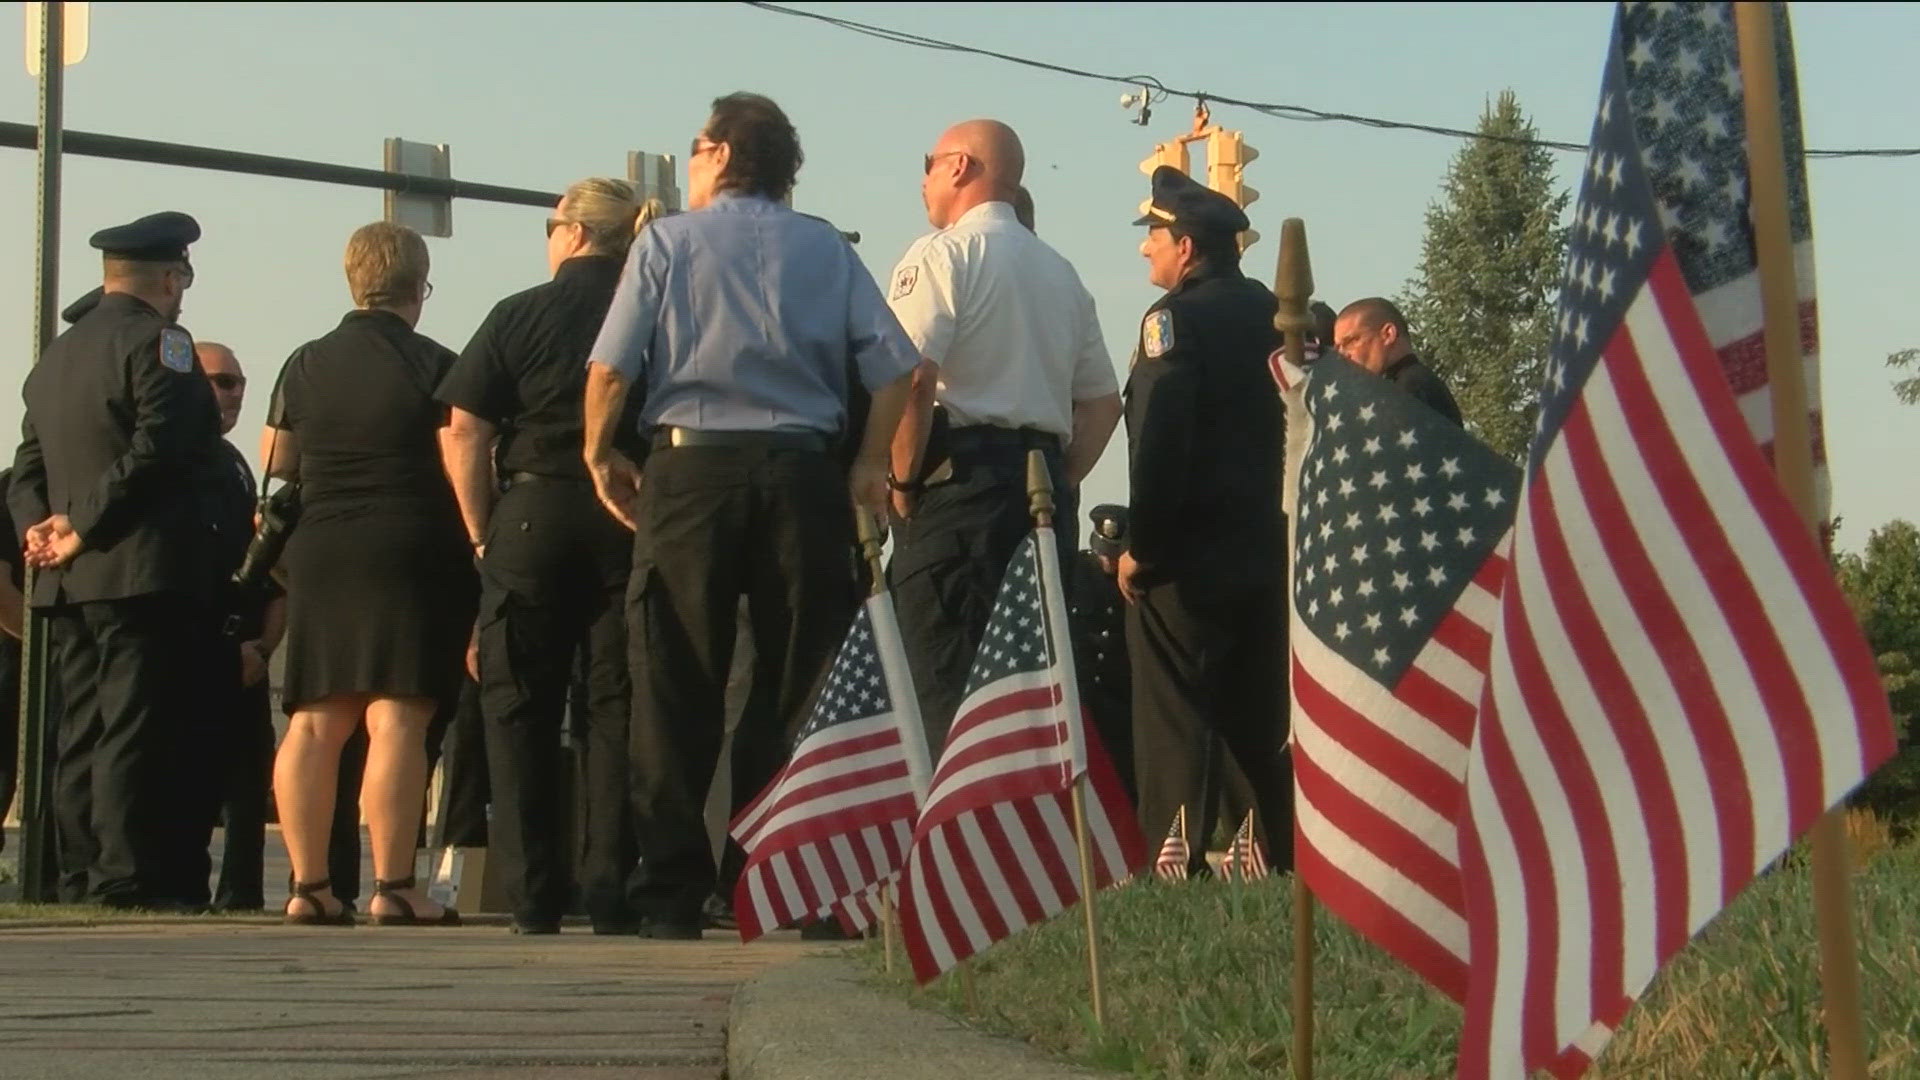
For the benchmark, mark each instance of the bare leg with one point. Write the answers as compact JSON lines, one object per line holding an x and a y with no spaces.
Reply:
{"x":305,"y":772}
{"x":394,"y":793}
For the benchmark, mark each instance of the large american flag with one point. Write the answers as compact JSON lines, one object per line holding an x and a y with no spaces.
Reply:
{"x":994,"y":850}
{"x":834,"y":826}
{"x":1675,"y":687}
{"x":1396,"y":570}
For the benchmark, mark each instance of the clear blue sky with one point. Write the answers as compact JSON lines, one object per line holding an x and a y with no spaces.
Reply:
{"x":540,"y":95}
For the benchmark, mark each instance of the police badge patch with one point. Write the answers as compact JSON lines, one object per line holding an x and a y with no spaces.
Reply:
{"x":176,"y":351}
{"x":905,"y":280}
{"x":1156,"y":334}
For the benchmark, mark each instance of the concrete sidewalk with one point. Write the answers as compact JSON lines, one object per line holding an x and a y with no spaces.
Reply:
{"x":202,"y":999}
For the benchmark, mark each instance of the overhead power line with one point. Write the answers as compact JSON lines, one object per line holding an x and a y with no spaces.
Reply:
{"x":1278,"y":110}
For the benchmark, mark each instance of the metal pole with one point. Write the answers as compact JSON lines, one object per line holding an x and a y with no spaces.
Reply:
{"x":35,"y":821}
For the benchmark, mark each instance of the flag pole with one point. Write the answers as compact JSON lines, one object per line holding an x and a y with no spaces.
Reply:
{"x":867,"y":527}
{"x":1040,"y":498}
{"x":1293,"y":285}
{"x":1793,"y":461}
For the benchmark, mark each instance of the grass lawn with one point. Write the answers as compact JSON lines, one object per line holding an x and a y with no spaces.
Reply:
{"x":1198,"y":985}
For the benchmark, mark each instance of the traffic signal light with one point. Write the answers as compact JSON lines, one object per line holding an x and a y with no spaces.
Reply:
{"x":1227,"y":158}
{"x":1174,"y":153}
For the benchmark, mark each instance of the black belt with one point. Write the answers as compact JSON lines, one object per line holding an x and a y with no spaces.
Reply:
{"x":669,"y":437}
{"x":989,"y":437}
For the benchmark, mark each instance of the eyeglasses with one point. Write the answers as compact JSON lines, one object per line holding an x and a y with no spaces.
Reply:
{"x":426,"y":289}
{"x":927,"y":168}
{"x":699,"y":148}
{"x":186,"y":275}
{"x":228,"y":382}
{"x":554,"y":223}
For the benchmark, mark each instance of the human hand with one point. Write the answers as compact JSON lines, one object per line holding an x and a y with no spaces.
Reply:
{"x":473,"y":655}
{"x":903,"y":505}
{"x":253,"y":663}
{"x":616,"y":479}
{"x":52,"y":543}
{"x":868,"y":482}
{"x":1127,"y":575}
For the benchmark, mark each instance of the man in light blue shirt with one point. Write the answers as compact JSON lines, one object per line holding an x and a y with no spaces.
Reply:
{"x":751,"y":331}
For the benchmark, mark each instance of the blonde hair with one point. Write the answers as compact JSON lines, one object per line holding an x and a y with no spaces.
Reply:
{"x":386,"y":264}
{"x":610,"y":212}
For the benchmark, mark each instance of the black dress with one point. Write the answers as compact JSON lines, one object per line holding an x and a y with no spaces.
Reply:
{"x":381,"y":587}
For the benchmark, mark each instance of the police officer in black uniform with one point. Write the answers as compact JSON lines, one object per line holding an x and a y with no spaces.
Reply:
{"x":238,"y":737}
{"x":1205,"y":568}
{"x":554,"y":564}
{"x":1374,"y":334}
{"x":1097,"y":619}
{"x":120,"y":426}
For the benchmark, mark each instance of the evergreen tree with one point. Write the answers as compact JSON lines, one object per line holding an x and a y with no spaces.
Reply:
{"x":1482,"y":302}
{"x":1908,"y":389}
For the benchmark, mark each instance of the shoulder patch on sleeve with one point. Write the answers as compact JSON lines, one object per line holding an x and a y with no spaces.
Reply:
{"x":176,"y":350}
{"x":1156,"y":334}
{"x":904,"y":281}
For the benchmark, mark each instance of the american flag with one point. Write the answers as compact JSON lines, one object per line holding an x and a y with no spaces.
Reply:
{"x":1245,"y":856}
{"x":834,"y":826}
{"x":994,"y":850}
{"x":1675,"y":687}
{"x":1396,"y":527}
{"x":1171,"y":865}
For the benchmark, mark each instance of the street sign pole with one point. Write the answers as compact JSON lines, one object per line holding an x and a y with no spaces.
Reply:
{"x":35,"y":821}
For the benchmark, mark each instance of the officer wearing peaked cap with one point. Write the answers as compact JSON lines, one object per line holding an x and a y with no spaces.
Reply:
{"x":1204,"y":569}
{"x":120,"y":425}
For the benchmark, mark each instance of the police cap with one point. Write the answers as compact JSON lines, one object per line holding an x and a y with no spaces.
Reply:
{"x":1179,"y":199}
{"x":161,"y":237}
{"x":1109,"y":535}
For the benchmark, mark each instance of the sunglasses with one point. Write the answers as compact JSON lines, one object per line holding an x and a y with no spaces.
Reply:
{"x":228,"y":382}
{"x":554,"y":223}
{"x":927,"y":166}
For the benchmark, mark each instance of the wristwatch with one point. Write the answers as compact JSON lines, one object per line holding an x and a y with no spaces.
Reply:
{"x":911,"y":487}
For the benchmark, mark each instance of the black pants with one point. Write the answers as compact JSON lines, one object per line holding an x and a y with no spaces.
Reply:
{"x":463,"y":808}
{"x":242,"y":725}
{"x":1210,"y":658}
{"x":130,"y":794}
{"x":949,"y":560}
{"x":553,"y":583}
{"x":716,"y":523}
{"x":9,"y":726}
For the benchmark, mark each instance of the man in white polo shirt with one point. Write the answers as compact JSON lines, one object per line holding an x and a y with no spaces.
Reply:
{"x":1014,"y":361}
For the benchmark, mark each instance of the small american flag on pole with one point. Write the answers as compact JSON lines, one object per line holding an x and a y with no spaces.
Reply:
{"x":995,"y":850}
{"x":834,"y":826}
{"x":1396,"y":568}
{"x":1171,"y":865}
{"x":1244,"y":855}
{"x":1675,"y":687}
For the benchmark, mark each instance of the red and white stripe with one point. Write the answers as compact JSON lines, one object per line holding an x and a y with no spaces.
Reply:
{"x":1171,"y":865}
{"x":1675,"y":690}
{"x":1377,"y":784}
{"x":994,"y":850}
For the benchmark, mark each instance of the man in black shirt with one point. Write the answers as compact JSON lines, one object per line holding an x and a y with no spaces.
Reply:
{"x":554,"y":565}
{"x":1205,"y":568}
{"x":1373,"y":333}
{"x":238,"y":734}
{"x":119,"y":422}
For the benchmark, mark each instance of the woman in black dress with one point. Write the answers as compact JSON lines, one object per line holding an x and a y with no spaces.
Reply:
{"x":381,"y":588}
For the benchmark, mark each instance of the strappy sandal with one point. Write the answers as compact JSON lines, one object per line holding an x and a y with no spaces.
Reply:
{"x":391,"y":890}
{"x":307,"y":892}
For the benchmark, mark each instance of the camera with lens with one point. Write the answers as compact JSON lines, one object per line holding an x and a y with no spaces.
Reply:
{"x":277,"y":512}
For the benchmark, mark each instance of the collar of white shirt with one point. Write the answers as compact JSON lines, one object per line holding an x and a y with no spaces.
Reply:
{"x":985,"y":212}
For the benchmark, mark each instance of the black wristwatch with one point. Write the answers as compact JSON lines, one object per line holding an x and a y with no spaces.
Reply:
{"x":911,"y":487}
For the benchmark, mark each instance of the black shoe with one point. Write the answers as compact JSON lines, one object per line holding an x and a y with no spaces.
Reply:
{"x":670,"y":929}
{"x":719,"y":914}
{"x":524,"y":925}
{"x":621,"y":926}
{"x":825,"y":930}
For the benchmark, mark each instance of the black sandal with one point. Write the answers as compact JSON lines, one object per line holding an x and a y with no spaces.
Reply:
{"x":391,"y":890}
{"x":306,"y":891}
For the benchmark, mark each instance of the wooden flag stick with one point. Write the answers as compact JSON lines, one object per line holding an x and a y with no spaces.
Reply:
{"x":1293,"y":285}
{"x":886,"y":923}
{"x":1793,"y":461}
{"x":1040,"y":498}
